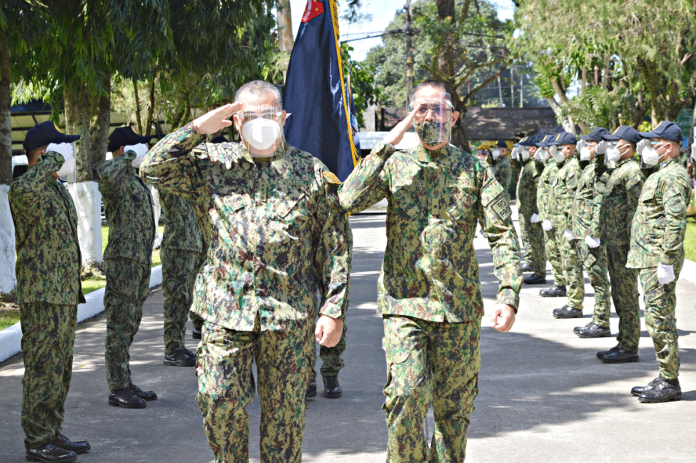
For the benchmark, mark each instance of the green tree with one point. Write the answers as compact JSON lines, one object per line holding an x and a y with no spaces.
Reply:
{"x":362,"y":83}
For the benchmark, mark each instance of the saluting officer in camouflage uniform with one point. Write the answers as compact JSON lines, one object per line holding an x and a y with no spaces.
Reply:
{"x":657,"y":251}
{"x":274,"y":238}
{"x":127,"y":260}
{"x":545,"y":202}
{"x":615,"y":208}
{"x":530,"y":224}
{"x":429,"y":293}
{"x":564,"y":186}
{"x":48,"y":290}
{"x":182,"y":256}
{"x":591,"y":186}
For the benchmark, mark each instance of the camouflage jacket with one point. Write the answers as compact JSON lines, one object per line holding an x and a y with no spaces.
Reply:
{"x":274,"y":238}
{"x":659,"y":226}
{"x":527,"y":186}
{"x":544,"y":191}
{"x":430,"y":270}
{"x":563,"y":189}
{"x":502,"y":170}
{"x":616,"y":205}
{"x":49,"y":261}
{"x":181,"y":230}
{"x":592,"y":183}
{"x":129,"y":213}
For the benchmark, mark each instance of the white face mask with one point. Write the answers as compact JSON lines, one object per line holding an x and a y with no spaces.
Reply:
{"x":496,"y":154}
{"x":261,"y":133}
{"x":650,"y":156}
{"x":524,"y":155}
{"x":613,"y":154}
{"x":514,"y":154}
{"x":558,"y":156}
{"x":67,"y":168}
{"x":585,"y":154}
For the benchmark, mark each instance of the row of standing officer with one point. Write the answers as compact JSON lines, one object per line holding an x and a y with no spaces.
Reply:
{"x":599,"y":212}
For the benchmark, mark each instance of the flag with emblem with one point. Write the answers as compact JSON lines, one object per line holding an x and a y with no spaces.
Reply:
{"x":317,"y":94}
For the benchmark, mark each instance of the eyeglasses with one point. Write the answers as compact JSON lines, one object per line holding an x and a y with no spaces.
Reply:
{"x":270,"y":113}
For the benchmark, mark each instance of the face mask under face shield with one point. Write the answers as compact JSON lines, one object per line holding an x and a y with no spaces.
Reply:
{"x":613,"y":154}
{"x":541,"y":154}
{"x":261,"y":128}
{"x":558,"y":155}
{"x":433,"y":119}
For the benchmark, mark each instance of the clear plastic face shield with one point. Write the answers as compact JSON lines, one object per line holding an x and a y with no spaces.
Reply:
{"x":515,"y":153}
{"x":260,"y":127}
{"x":613,"y":155}
{"x":433,"y":119}
{"x":649,"y":152}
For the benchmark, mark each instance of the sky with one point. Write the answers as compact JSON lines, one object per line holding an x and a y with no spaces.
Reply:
{"x":382,"y":12}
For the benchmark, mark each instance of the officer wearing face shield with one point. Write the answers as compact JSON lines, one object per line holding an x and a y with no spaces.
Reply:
{"x":614,"y":209}
{"x":127,"y":260}
{"x":591,"y":185}
{"x":530,"y":222}
{"x":657,"y":251}
{"x":274,"y":237}
{"x":48,"y":289}
{"x":565,"y":183}
{"x":545,"y":201}
{"x":428,"y":293}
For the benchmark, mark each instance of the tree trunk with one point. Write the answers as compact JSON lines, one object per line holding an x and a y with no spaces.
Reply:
{"x":7,"y":232}
{"x":138,"y":119}
{"x":285,"y":41}
{"x":151,"y":107}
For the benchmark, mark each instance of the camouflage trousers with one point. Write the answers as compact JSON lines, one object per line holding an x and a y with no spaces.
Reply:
{"x":660,"y":305}
{"x":127,"y":287}
{"x":533,"y":241}
{"x":553,"y":254}
{"x":429,"y":362}
{"x":48,"y":335}
{"x":226,"y":387}
{"x":624,"y":293}
{"x":179,"y":270}
{"x":572,"y":266}
{"x":331,"y":357}
{"x":595,"y":263}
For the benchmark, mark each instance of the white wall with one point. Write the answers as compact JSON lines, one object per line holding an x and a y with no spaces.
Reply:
{"x":7,"y":244}
{"x":87,"y":200}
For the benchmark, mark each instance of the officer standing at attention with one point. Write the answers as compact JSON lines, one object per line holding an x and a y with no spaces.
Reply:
{"x":592,"y":184}
{"x":564,"y":186}
{"x":127,"y":260}
{"x":48,"y":290}
{"x":502,"y":169}
{"x":331,"y":365}
{"x":530,"y":224}
{"x":274,"y":237}
{"x":657,"y":251}
{"x":611,"y":229}
{"x":429,"y":289}
{"x":182,"y":256}
{"x":545,"y":200}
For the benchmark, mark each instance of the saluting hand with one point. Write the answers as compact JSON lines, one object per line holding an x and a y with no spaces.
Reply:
{"x":217,"y":119}
{"x":397,"y":133}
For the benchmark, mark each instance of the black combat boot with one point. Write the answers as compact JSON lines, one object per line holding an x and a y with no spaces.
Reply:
{"x":145,"y":395}
{"x":554,"y":291}
{"x":527,"y":267}
{"x":621,"y":356}
{"x":638,"y":390}
{"x":126,"y":399}
{"x":567,"y":312}
{"x":332,"y":390}
{"x":182,"y":357}
{"x":79,"y":447}
{"x":50,"y":453}
{"x":592,"y":330}
{"x":602,"y":353}
{"x":535,"y":280}
{"x":664,"y":390}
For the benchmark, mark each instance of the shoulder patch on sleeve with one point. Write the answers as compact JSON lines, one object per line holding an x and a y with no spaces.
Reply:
{"x":501,"y":206}
{"x":331,"y":178}
{"x":675,"y":205}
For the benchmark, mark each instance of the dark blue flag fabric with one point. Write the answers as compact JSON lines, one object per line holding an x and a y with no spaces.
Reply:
{"x":317,"y":95}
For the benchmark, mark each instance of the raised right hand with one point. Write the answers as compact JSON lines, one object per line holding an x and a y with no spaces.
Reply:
{"x":396,"y":134}
{"x":217,"y":119}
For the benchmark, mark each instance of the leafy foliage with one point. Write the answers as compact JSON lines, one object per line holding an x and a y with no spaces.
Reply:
{"x":362,"y":83}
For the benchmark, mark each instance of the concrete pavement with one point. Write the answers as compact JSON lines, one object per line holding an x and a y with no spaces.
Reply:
{"x":544,"y":397}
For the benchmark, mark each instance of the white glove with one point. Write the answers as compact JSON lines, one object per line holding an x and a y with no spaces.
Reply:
{"x":65,"y":149}
{"x":140,"y":151}
{"x":547,"y":225}
{"x":601,"y":147}
{"x":535,"y":218}
{"x":581,"y":144}
{"x":592,"y":242}
{"x":644,"y":143}
{"x":693,"y":151}
{"x":665,"y":274}
{"x":568,"y":235}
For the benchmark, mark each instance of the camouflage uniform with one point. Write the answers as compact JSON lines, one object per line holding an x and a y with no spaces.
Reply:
{"x":502,"y":170}
{"x":657,"y":237}
{"x":182,"y":256}
{"x":592,"y":183}
{"x":274,"y":238}
{"x":564,"y":185}
{"x":331,"y":357}
{"x":127,"y":261}
{"x":545,"y":202}
{"x":615,"y":208}
{"x":48,"y":290}
{"x":531,"y":232}
{"x":429,"y":289}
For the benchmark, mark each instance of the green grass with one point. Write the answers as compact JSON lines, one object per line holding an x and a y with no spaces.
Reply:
{"x":10,"y":317}
{"x":690,"y":239}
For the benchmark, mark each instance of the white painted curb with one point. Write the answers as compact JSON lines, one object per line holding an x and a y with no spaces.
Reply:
{"x":688,"y":272}
{"x":11,"y":338}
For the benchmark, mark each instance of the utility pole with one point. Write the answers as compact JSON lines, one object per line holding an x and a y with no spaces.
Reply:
{"x":285,"y":41}
{"x":409,"y":51}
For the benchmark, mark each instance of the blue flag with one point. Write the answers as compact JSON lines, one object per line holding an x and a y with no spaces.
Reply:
{"x":317,"y":95}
